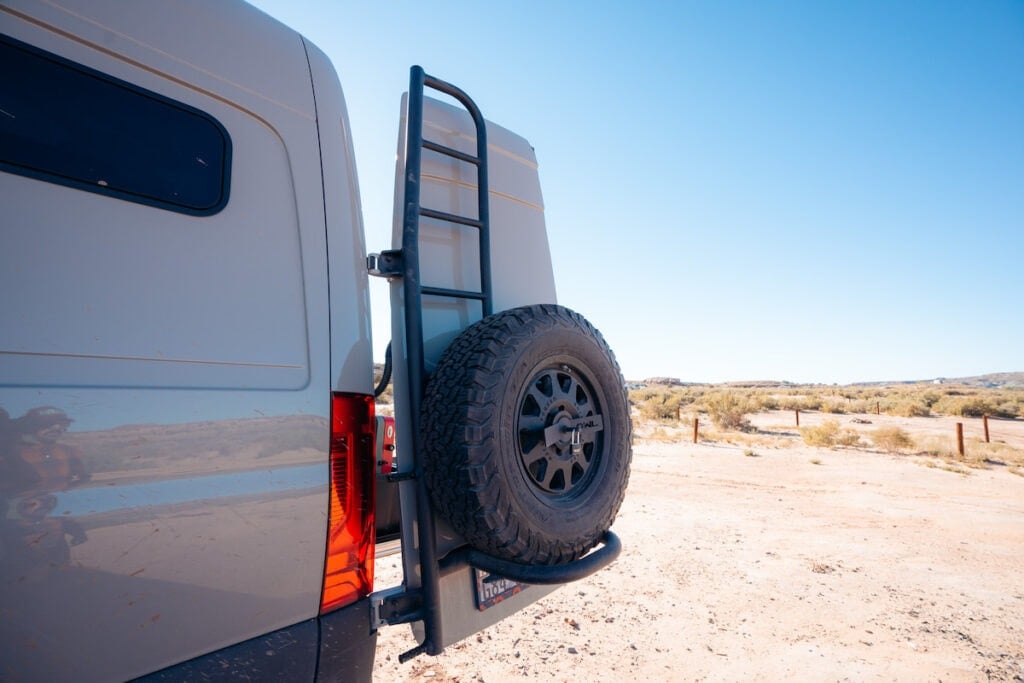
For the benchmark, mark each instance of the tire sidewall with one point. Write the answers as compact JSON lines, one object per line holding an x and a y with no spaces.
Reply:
{"x":578,"y":515}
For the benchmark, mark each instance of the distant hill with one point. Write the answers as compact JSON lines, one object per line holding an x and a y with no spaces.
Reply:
{"x":994,"y":380}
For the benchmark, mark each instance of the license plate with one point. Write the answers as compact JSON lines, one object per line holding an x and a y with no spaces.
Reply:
{"x":491,"y":589}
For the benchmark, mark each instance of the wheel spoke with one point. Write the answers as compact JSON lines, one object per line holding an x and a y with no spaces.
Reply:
{"x":538,"y":395}
{"x":569,"y":392}
{"x":582,"y":398}
{"x":534,"y":453}
{"x":565,"y":469}
{"x":531,"y":423}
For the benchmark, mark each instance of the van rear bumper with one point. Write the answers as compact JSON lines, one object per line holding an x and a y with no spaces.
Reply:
{"x":338,"y":646}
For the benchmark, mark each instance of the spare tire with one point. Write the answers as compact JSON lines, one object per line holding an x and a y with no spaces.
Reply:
{"x":526,"y":435}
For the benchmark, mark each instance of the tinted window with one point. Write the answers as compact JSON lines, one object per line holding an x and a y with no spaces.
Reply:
{"x":69,"y":124}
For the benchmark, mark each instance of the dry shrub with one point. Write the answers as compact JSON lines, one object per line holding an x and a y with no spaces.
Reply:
{"x":892,"y":439}
{"x":909,"y":408}
{"x":832,"y":406}
{"x":822,"y":435}
{"x":863,"y":406}
{"x":848,"y":437}
{"x":799,"y":403}
{"x":937,"y":446}
{"x":828,"y":435}
{"x":975,"y":406}
{"x":728,"y":410}
{"x":993,"y":454}
{"x":658,"y":403}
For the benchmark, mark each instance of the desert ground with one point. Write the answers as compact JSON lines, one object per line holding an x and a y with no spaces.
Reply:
{"x":757,"y":557}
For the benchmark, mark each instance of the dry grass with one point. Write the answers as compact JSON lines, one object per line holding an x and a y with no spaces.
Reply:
{"x":829,"y":435}
{"x":905,"y":400}
{"x":724,"y":416}
{"x":665,"y":435}
{"x":947,"y":466}
{"x":892,"y":439}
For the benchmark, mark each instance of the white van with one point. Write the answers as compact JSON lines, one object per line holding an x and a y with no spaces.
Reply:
{"x":188,"y":470}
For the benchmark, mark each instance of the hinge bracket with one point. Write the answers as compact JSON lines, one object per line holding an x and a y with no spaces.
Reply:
{"x":401,"y":608}
{"x":389,"y":264}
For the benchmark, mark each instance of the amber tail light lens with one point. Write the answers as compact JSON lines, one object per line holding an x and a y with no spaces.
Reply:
{"x":348,"y":572}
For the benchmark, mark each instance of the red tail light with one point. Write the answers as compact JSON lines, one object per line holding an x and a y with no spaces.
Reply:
{"x":348,"y":574}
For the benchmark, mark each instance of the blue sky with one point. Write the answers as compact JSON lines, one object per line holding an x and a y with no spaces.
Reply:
{"x":804,"y":191}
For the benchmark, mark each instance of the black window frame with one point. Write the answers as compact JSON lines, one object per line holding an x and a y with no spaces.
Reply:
{"x":136,"y":197}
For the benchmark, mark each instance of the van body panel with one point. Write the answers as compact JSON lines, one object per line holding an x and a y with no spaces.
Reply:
{"x":351,"y":347}
{"x":165,"y":379}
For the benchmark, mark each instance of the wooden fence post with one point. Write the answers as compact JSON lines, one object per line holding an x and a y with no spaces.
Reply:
{"x":960,"y":438}
{"x":984,"y":421}
{"x":696,"y":423}
{"x":797,"y":411}
{"x":878,"y":407}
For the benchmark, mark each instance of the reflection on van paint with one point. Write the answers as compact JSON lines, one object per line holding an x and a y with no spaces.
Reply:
{"x":99,"y":499}
{"x":34,"y":457}
{"x":93,"y":520}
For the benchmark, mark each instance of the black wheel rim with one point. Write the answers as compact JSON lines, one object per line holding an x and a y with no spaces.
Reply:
{"x":560,"y":432}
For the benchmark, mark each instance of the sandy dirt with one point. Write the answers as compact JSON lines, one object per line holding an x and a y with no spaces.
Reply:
{"x":791,"y":563}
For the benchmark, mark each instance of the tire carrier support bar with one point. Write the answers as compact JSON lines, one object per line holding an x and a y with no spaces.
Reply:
{"x":413,"y":291}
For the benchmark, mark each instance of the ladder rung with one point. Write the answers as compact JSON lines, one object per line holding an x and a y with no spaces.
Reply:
{"x":448,"y":151}
{"x":450,"y":217}
{"x":454,"y":293}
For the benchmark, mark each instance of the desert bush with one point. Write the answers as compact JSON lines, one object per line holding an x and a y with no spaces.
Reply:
{"x":829,"y":435}
{"x":658,"y":403}
{"x":1008,"y":409}
{"x":1008,"y":455}
{"x":892,"y":439}
{"x":728,"y":409}
{"x":821,"y":435}
{"x":788,"y":403}
{"x":861,"y":405}
{"x":909,"y":408}
{"x":848,"y":437}
{"x":967,"y":406}
{"x":975,"y":406}
{"x":799,"y":403}
{"x":937,"y":446}
{"x":832,"y":406}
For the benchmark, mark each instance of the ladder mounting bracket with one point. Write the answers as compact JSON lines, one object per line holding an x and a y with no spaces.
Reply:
{"x":389,"y":264}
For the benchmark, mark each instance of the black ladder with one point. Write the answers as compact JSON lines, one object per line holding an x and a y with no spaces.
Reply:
{"x":414,"y":290}
{"x":424,"y":604}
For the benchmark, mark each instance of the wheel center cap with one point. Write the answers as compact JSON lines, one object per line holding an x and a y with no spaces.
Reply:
{"x":566,"y":430}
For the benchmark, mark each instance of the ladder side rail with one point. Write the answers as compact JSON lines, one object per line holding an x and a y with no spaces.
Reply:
{"x":412,"y":288}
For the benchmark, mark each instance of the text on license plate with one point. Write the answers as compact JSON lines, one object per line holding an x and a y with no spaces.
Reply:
{"x":491,"y":589}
